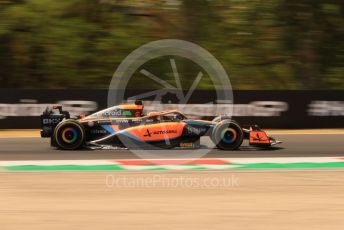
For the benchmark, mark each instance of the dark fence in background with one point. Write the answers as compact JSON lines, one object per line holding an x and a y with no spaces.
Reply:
{"x":20,"y":109}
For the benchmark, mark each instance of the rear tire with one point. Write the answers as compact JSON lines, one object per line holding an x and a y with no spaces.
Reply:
{"x":69,"y":135}
{"x":228,"y":135}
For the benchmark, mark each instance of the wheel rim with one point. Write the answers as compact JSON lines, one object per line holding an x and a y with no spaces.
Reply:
{"x":69,"y":135}
{"x":229,"y":135}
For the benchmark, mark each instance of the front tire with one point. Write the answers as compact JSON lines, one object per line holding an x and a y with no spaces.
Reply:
{"x":69,"y":135}
{"x":228,"y":135}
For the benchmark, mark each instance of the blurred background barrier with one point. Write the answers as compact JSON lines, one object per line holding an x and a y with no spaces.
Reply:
{"x":20,"y":108}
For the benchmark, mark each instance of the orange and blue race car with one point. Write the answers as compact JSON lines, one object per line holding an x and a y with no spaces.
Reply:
{"x":126,"y":126}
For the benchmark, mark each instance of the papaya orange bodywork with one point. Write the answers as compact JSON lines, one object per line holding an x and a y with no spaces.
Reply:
{"x":155,"y":132}
{"x":114,"y":127}
{"x":131,"y":106}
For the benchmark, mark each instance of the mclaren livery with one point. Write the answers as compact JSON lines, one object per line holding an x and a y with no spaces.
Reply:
{"x":126,"y":126}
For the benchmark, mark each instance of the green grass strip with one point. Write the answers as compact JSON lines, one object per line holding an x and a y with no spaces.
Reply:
{"x":306,"y":165}
{"x":155,"y":169}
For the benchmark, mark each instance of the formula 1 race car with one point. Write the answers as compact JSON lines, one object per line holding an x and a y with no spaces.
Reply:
{"x":126,"y":126}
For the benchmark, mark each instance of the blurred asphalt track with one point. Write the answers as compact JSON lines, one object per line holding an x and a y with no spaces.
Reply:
{"x":294,"y":145}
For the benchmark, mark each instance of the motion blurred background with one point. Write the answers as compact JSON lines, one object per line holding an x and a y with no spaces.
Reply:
{"x":285,"y":58}
{"x":262,"y":44}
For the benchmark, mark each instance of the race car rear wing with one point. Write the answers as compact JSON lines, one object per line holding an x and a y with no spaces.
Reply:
{"x":50,"y":119}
